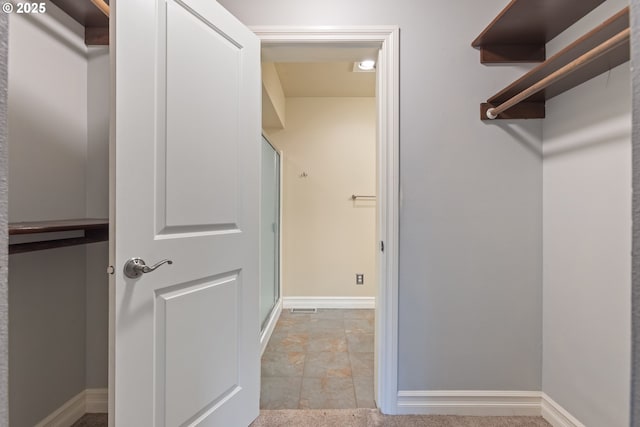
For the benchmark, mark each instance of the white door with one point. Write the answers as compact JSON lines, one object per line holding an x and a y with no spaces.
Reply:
{"x":186,"y":156}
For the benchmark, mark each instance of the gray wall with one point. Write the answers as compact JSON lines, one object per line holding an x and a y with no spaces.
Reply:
{"x":587,"y":244}
{"x":635,"y":78}
{"x":47,"y":152}
{"x":97,"y":206}
{"x":47,"y":332}
{"x":470,"y":220}
{"x":4,"y":213}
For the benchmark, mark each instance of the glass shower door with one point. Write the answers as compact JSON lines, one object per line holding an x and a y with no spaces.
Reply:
{"x":270,"y":231}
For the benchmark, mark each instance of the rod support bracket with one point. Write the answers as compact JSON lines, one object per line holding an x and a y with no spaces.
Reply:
{"x":490,"y":114}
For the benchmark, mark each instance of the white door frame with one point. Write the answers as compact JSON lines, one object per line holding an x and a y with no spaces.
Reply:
{"x":386,"y":328}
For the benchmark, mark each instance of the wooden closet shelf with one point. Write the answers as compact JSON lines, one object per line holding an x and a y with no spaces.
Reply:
{"x":533,"y":106}
{"x":522,"y":29}
{"x":95,"y":230}
{"x":95,"y":23}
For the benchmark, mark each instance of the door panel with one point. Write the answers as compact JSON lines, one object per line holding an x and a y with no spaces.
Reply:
{"x":201,"y":131}
{"x":186,"y":150}
{"x":185,"y":367}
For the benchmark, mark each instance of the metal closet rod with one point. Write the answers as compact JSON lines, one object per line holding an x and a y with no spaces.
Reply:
{"x":572,"y":66}
{"x":355,"y":197}
{"x":102,"y":5}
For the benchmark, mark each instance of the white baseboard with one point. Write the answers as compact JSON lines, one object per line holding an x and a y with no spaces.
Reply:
{"x":556,"y":415}
{"x":463,"y":402}
{"x":87,"y":401}
{"x":271,"y":325}
{"x":67,"y":414}
{"x":97,"y":401}
{"x":329,"y":302}
{"x":485,"y":403}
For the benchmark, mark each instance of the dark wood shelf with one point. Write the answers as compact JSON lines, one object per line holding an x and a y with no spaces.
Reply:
{"x":533,"y":107}
{"x":95,"y":23}
{"x":95,"y":230}
{"x":522,"y":29}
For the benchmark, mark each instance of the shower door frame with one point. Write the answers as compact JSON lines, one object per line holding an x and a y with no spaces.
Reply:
{"x":268,"y":327}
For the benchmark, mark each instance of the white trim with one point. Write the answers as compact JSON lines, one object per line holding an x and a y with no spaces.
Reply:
{"x":556,"y":415}
{"x":388,"y":94}
{"x":67,"y":414}
{"x":485,"y":403}
{"x":366,"y":35}
{"x":271,"y":326}
{"x":87,"y":401}
{"x":97,"y":401}
{"x":474,"y":403}
{"x":329,"y":302}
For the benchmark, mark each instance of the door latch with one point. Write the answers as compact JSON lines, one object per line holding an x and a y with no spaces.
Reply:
{"x":136,"y":267}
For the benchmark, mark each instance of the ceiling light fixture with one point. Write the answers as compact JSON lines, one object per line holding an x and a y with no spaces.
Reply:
{"x":367,"y":65}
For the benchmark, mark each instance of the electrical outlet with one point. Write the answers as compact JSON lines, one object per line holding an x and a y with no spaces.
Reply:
{"x":359,"y":279}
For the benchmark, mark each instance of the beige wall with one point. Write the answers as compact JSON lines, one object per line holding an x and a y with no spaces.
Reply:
{"x":328,"y":238}
{"x":273,"y":99}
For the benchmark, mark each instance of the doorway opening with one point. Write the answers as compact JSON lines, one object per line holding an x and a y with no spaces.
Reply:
{"x":334,"y":346}
{"x":320,"y":356}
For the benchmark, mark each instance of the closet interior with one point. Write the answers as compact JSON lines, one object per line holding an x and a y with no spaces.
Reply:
{"x":58,"y":113}
{"x":58,"y":107}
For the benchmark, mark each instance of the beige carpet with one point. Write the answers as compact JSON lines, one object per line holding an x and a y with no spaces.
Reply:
{"x":358,"y":418}
{"x":373,"y":418}
{"x":92,"y":420}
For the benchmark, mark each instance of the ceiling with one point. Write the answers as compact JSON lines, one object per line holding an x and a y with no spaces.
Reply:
{"x":324,"y":79}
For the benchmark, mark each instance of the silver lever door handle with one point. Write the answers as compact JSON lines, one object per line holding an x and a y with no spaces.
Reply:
{"x":135,"y":267}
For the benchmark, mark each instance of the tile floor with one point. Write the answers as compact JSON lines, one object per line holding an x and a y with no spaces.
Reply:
{"x":322,"y":360}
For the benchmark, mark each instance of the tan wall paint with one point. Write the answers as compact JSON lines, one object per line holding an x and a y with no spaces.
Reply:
{"x":328,"y":238}
{"x":273,"y":99}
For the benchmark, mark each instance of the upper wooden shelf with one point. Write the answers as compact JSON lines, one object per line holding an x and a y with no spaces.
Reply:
{"x":95,"y":23}
{"x":520,"y":32}
{"x":533,"y":106}
{"x":95,"y":230}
